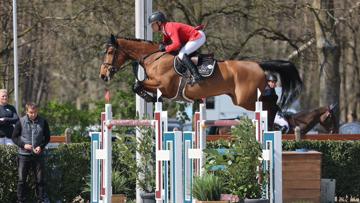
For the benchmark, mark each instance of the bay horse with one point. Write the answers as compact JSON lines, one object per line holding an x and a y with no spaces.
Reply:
{"x":306,"y":120}
{"x":237,"y":79}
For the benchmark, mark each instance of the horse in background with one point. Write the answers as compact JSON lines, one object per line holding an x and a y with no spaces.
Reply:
{"x":238,"y":79}
{"x":307,"y":120}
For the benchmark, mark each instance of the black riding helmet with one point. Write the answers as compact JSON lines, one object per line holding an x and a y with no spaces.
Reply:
{"x":157,"y":16}
{"x":271,"y":77}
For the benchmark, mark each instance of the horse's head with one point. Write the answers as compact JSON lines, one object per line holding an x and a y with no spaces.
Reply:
{"x":328,"y":120}
{"x":114,"y":58}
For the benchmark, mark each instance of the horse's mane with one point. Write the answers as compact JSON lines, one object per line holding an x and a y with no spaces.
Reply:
{"x":113,"y":38}
{"x":136,"y":39}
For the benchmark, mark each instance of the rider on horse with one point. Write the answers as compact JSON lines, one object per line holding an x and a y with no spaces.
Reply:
{"x":179,"y":37}
{"x":270,"y":96}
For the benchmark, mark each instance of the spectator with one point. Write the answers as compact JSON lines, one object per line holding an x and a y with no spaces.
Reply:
{"x":31,"y":135}
{"x":8,"y":118}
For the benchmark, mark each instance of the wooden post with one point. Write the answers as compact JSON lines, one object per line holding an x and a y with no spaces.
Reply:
{"x":297,"y":134}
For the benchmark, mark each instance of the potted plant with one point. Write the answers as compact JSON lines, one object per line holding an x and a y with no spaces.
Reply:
{"x":208,"y":188}
{"x":240,"y":163}
{"x":119,"y":187}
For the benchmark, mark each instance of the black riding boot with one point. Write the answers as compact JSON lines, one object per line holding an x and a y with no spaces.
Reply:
{"x":192,"y":68}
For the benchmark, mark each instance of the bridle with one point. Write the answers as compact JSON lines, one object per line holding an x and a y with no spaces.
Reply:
{"x":114,"y":69}
{"x":110,"y":66}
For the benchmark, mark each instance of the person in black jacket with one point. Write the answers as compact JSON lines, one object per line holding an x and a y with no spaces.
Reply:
{"x":270,"y":96}
{"x":31,"y":135}
{"x":8,"y":118}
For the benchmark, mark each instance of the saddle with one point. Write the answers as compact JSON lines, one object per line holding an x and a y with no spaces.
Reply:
{"x":205,"y":63}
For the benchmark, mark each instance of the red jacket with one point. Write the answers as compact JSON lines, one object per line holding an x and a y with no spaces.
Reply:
{"x":179,"y":34}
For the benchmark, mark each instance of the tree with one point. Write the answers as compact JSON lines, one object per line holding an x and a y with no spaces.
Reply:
{"x":328,"y":52}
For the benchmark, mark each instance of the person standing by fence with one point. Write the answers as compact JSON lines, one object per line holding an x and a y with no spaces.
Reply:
{"x":8,"y":117}
{"x":31,"y":135}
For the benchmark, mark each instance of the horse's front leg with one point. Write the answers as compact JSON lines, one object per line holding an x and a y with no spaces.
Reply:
{"x":141,"y":91}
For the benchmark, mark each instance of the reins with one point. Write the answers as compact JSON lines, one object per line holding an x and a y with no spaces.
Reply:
{"x":142,"y":60}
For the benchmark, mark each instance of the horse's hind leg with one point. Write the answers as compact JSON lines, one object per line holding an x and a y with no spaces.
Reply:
{"x":245,"y":99}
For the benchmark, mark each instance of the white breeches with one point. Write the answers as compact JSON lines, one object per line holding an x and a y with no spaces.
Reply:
{"x":281,"y":121}
{"x":192,"y":46}
{"x":6,"y":141}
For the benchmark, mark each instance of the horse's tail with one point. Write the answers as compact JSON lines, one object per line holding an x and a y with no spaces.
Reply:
{"x":291,"y":82}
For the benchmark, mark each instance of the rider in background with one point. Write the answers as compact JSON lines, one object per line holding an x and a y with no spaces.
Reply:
{"x":179,"y":37}
{"x":270,"y":96}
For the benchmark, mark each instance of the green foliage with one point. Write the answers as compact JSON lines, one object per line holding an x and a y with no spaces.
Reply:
{"x":207,"y":187}
{"x":65,"y":115}
{"x":124,"y":166}
{"x":67,"y":170}
{"x":8,"y":173}
{"x":61,"y":116}
{"x":118,"y":183}
{"x":240,"y":161}
{"x":146,"y":148}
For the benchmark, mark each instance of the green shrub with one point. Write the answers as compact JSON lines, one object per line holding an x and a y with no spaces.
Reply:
{"x":207,"y":187}
{"x":240,"y":161}
{"x":8,"y":173}
{"x":67,"y":170}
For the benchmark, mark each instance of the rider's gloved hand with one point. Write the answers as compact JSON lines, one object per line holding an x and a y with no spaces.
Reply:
{"x":162,"y":47}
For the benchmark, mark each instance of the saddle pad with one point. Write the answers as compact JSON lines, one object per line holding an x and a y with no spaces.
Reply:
{"x":206,"y":66}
